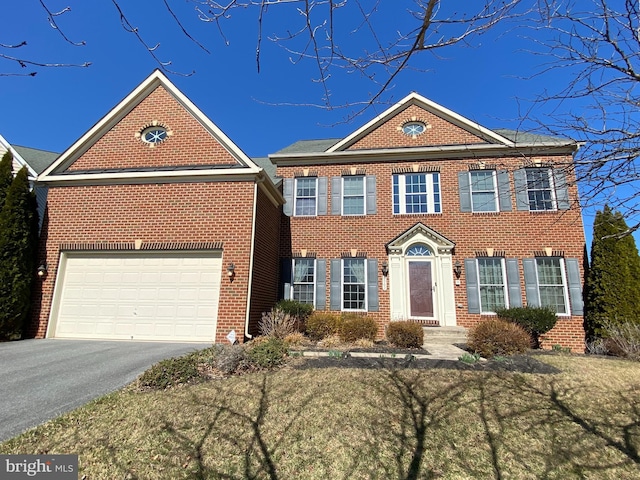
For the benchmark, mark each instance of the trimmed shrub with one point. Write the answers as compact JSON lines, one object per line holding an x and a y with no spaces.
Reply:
{"x":498,"y":337}
{"x":170,"y":373}
{"x":299,"y":311}
{"x":267,"y":353}
{"x":322,"y":324}
{"x":405,"y":334}
{"x":277,"y":323}
{"x":535,"y":320}
{"x":357,"y":327}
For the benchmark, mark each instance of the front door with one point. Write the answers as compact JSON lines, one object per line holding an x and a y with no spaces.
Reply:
{"x":421,"y":289}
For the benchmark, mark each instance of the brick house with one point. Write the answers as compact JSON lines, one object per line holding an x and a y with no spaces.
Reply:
{"x":159,"y":227}
{"x":422,"y":214}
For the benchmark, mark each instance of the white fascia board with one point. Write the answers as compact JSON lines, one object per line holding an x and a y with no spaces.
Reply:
{"x":272,"y":192}
{"x":424,"y":153}
{"x":17,"y":157}
{"x":122,"y":178}
{"x":430,"y":106}
{"x":116,"y":114}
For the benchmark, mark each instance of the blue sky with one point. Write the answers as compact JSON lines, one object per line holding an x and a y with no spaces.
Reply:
{"x":486,"y":81}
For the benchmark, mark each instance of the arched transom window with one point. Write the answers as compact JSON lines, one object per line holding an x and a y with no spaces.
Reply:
{"x":419,"y":250}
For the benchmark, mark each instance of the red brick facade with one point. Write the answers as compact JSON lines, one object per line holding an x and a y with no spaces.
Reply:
{"x":165,"y":214}
{"x":509,"y":234}
{"x":235,"y":208}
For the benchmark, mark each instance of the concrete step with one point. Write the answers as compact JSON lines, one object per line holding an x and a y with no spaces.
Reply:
{"x":445,"y":335}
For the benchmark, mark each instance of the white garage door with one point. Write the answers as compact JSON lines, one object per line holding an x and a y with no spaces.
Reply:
{"x":138,"y":296}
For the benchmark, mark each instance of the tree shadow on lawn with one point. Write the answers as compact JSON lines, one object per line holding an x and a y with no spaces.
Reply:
{"x":408,"y":424}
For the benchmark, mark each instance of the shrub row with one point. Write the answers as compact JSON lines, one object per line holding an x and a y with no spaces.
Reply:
{"x":350,"y":327}
{"x":262,"y":353}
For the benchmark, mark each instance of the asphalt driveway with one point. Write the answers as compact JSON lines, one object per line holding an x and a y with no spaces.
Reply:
{"x":41,"y":379}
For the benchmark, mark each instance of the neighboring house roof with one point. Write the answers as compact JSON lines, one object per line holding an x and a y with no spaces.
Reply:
{"x":35,"y":160}
{"x":39,"y":160}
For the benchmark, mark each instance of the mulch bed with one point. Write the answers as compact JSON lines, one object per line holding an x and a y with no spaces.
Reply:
{"x":515,"y":363}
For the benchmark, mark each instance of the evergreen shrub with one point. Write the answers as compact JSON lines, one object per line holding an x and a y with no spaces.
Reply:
{"x":535,"y":320}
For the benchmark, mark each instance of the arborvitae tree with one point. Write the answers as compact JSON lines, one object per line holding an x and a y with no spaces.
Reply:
{"x":612,"y":290}
{"x":18,"y":237}
{"x":6,"y":175}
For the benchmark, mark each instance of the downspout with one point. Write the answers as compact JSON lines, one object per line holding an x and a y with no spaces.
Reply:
{"x":253,"y":243}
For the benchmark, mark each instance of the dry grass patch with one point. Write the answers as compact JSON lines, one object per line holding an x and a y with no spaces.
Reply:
{"x":350,"y":423}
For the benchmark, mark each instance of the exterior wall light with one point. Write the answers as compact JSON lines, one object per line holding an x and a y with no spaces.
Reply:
{"x":231,"y":271}
{"x":385,"y":268}
{"x":457,"y":268}
{"x":42,"y":270}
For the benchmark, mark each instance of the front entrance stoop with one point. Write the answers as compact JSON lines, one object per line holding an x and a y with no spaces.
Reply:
{"x":445,"y":335}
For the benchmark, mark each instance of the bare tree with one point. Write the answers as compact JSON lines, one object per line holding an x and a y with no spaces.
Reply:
{"x":597,"y":42}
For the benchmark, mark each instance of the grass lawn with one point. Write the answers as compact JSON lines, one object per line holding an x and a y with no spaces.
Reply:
{"x":333,"y":423}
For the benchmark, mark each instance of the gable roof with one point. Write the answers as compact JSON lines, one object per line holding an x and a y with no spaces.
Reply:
{"x":432,"y":107}
{"x":34,"y":159}
{"x":492,"y":143}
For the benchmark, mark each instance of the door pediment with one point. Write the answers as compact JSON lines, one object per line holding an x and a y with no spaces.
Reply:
{"x":420,"y":233}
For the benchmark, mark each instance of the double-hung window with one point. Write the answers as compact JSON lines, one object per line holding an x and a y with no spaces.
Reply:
{"x":306,"y":196}
{"x":492,"y":284}
{"x":552,"y":284}
{"x":416,"y":193}
{"x":304,"y":280}
{"x":540,"y":189}
{"x":484,"y":190}
{"x":353,"y":195}
{"x":354,"y":284}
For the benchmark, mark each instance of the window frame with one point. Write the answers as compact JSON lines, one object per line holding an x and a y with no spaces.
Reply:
{"x":505,"y":286}
{"x":551,"y":189}
{"x":433,"y":195}
{"x":494,"y":191}
{"x":344,"y":196}
{"x":312,"y":283}
{"x":296,"y":198}
{"x":565,"y":286}
{"x":365,"y":285}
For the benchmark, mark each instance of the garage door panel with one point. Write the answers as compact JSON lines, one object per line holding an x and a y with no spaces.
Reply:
{"x":142,"y":296}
